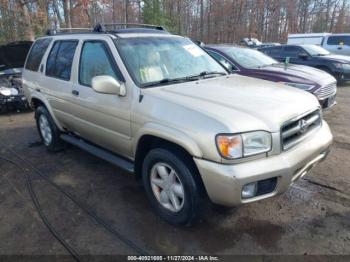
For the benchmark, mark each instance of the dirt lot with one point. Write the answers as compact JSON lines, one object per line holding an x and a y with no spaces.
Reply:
{"x":312,"y":218}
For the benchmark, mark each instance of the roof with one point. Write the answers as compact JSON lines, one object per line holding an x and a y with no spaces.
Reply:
{"x":114,"y":28}
{"x":309,"y":35}
{"x":222,"y":46}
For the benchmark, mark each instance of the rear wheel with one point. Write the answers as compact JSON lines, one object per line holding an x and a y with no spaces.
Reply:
{"x":48,"y":131}
{"x":171,"y":187}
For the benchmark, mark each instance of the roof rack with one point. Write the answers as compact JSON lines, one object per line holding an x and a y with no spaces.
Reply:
{"x":102,"y":28}
{"x":68,"y":29}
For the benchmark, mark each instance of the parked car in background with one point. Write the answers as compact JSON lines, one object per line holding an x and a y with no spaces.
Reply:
{"x":255,"y":43}
{"x":159,"y":106}
{"x":12,"y":59}
{"x":251,"y":42}
{"x":249,"y":62}
{"x":334,"y":43}
{"x":315,"y":56}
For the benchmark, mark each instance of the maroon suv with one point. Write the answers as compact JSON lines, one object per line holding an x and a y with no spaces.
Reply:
{"x":249,"y":62}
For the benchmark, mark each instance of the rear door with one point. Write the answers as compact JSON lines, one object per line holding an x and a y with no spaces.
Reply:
{"x":31,"y":75}
{"x":56,"y":84}
{"x":338,"y":44}
{"x":103,"y":119}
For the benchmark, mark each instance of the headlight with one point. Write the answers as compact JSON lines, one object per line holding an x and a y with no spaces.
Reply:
{"x":5,"y":91}
{"x":346,"y":66}
{"x":243,"y":145}
{"x":338,"y":65}
{"x":300,"y":86}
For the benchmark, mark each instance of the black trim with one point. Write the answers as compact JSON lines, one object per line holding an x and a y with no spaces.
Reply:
{"x":100,"y":152}
{"x":110,"y":57}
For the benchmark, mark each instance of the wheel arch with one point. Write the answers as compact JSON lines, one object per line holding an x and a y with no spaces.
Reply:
{"x":148,"y":142}
{"x":36,"y":101}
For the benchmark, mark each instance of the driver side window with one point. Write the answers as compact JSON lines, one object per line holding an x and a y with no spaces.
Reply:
{"x":95,"y":60}
{"x":293,"y":51}
{"x":223,"y":61}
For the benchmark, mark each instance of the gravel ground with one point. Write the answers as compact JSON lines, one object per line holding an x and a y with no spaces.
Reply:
{"x":311,"y":218}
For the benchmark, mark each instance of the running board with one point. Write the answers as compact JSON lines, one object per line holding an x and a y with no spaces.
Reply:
{"x":99,"y":152}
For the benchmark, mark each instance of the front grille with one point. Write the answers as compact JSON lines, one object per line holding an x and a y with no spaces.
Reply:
{"x":327,"y":90}
{"x":297,"y":129}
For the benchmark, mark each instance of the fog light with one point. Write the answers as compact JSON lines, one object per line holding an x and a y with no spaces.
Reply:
{"x":249,"y":190}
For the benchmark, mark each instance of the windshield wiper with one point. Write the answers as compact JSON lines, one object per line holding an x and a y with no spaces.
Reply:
{"x":205,"y":73}
{"x":182,"y":79}
{"x":165,"y":81}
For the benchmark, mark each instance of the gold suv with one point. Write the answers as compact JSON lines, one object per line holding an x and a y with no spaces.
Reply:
{"x":160,"y":107}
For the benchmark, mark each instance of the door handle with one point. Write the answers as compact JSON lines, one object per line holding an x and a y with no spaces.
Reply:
{"x":340,"y":48}
{"x":75,"y":92}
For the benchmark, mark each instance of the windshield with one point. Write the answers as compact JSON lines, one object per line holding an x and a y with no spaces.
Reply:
{"x":249,"y":58}
{"x":156,"y":59}
{"x":315,"y":50}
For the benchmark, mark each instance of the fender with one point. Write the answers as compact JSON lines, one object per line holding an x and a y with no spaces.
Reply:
{"x":42,"y":98}
{"x":172,"y":135}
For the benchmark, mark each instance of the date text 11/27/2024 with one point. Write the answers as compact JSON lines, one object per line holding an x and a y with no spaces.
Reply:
{"x":173,"y":258}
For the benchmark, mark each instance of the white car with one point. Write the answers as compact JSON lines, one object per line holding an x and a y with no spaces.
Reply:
{"x":334,"y":43}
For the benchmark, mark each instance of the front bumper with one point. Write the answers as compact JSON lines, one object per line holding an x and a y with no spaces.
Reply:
{"x":328,"y":102}
{"x":13,"y":101}
{"x":224,"y":183}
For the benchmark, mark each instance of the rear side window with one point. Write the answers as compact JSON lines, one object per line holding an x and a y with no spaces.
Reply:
{"x":96,"y":60}
{"x":60,"y":59}
{"x":36,"y":54}
{"x":338,"y":39}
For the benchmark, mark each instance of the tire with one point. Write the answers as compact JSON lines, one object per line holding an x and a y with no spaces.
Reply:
{"x":193,"y":201}
{"x":48,"y":131}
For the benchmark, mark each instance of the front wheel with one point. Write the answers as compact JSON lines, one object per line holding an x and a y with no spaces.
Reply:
{"x":169,"y":181}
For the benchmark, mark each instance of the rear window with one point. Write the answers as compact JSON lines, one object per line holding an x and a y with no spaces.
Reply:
{"x":60,"y":59}
{"x":338,"y":39}
{"x":36,"y":54}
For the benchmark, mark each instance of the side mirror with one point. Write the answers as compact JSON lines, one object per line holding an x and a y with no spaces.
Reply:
{"x":303,"y":56}
{"x":108,"y":85}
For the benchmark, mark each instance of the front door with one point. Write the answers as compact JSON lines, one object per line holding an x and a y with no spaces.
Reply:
{"x":103,"y":119}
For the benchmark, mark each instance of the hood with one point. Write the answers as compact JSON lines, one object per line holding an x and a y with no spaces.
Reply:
{"x":298,"y":73}
{"x":13,"y":55}
{"x":240,"y":103}
{"x":335,"y":58}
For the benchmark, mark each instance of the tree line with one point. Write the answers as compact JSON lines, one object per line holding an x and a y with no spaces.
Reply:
{"x":211,"y":21}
